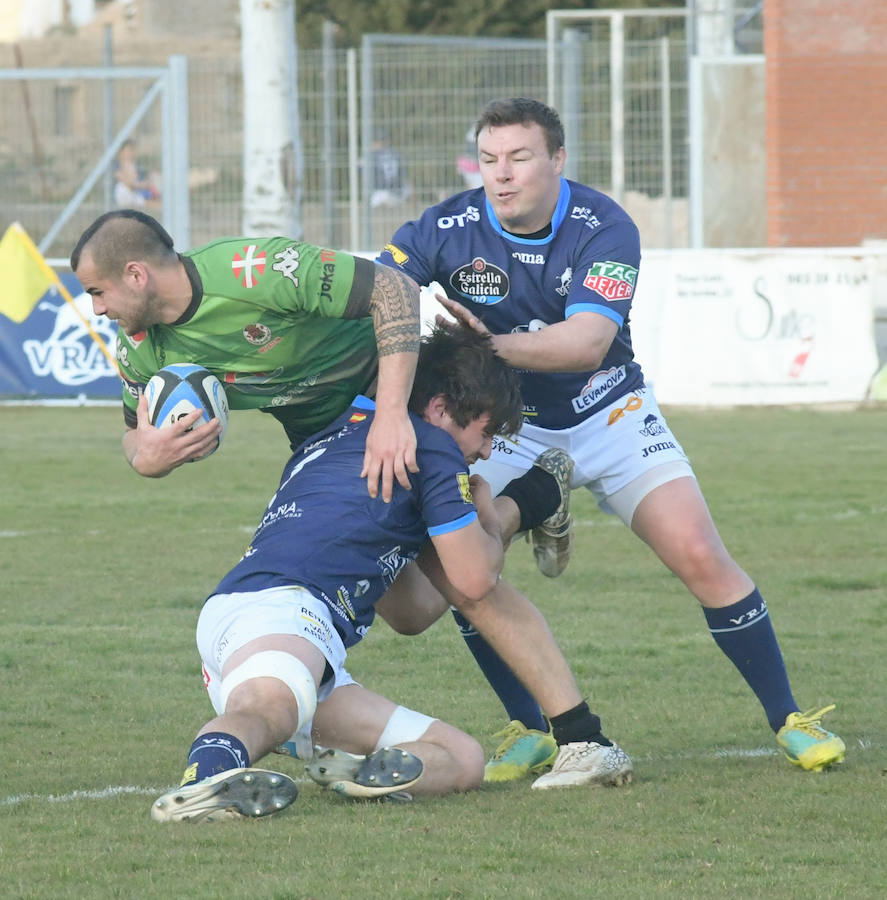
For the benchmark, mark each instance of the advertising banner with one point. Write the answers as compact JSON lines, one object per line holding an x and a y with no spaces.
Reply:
{"x":51,"y":353}
{"x":730,"y":328}
{"x":709,"y":328}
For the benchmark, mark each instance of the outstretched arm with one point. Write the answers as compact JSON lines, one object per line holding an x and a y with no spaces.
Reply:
{"x":576,"y":345}
{"x":391,"y":442}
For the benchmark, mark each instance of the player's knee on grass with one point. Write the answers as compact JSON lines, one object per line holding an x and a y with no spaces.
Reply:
{"x":274,"y":686}
{"x":460,"y":757}
{"x":453,"y":760}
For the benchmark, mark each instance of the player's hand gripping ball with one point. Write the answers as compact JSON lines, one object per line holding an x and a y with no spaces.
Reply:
{"x":178,"y":389}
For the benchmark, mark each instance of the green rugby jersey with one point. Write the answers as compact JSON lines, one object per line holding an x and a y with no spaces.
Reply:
{"x":266,"y":319}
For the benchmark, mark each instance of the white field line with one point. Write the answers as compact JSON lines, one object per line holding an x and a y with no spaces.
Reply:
{"x":109,"y":793}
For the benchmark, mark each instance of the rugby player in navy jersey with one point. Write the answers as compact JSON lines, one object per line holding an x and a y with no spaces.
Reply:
{"x":549,"y":267}
{"x":274,"y":634}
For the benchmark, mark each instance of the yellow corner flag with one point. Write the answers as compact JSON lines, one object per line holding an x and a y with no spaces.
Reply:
{"x":26,"y":275}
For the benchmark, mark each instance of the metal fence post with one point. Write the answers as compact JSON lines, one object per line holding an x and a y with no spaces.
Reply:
{"x":665,"y":95}
{"x":176,"y":161}
{"x":353,"y":153}
{"x":617,"y":106}
{"x":571,"y":72}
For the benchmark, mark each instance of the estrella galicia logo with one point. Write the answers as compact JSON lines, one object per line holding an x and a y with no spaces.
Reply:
{"x":480,"y":282}
{"x":652,"y":426}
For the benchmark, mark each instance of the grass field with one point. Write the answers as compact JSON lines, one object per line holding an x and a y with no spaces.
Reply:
{"x":103,"y":574}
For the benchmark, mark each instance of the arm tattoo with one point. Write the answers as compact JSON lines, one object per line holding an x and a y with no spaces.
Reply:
{"x":394,"y":306}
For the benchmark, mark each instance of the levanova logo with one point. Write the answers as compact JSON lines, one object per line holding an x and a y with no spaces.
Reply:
{"x":480,"y":282}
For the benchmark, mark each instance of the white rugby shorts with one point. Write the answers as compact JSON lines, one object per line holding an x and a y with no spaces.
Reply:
{"x":621,"y":453}
{"x":228,"y":621}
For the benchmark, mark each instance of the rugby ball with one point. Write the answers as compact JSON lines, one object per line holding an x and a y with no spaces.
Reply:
{"x":180,"y":388}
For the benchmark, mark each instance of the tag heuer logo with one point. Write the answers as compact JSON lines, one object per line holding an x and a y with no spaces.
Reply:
{"x":612,"y":280}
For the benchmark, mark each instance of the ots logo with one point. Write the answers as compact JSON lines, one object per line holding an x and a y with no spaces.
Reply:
{"x":471,"y":214}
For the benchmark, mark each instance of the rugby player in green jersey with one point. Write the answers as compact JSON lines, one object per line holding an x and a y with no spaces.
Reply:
{"x":289,"y":328}
{"x":298,"y":331}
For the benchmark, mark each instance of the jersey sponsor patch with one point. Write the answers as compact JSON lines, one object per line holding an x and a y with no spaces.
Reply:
{"x":250,"y":266}
{"x":464,"y":487}
{"x":133,"y":388}
{"x":652,"y":426}
{"x":565,"y":281}
{"x":598,"y":386}
{"x":611,"y":280}
{"x":288,"y":261}
{"x":480,"y":282}
{"x":657,"y":448}
{"x":343,"y":602}
{"x":397,"y":254}
{"x":257,"y":333}
{"x":633,"y":404}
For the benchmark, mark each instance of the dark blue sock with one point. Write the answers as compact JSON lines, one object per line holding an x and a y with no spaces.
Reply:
{"x":212,"y":753}
{"x":745,"y":634}
{"x":517,"y":700}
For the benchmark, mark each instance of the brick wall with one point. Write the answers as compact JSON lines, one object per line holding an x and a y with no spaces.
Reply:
{"x":826,"y":85}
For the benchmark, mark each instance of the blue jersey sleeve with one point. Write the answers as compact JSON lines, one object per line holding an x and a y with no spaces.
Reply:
{"x":606,"y":272}
{"x":419,"y":247}
{"x":401,"y":252}
{"x":444,"y":494}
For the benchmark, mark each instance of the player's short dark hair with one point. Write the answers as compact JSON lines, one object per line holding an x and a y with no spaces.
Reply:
{"x":120,"y":236}
{"x":523,"y":111}
{"x":462,"y":365}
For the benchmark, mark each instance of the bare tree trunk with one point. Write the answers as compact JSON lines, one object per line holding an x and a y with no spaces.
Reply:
{"x":272,"y":165}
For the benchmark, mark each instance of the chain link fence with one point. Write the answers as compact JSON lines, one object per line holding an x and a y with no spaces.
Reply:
{"x":384,"y":131}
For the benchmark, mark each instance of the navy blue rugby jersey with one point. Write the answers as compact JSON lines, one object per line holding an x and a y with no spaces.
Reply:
{"x":323,"y":531}
{"x":589,"y":262}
